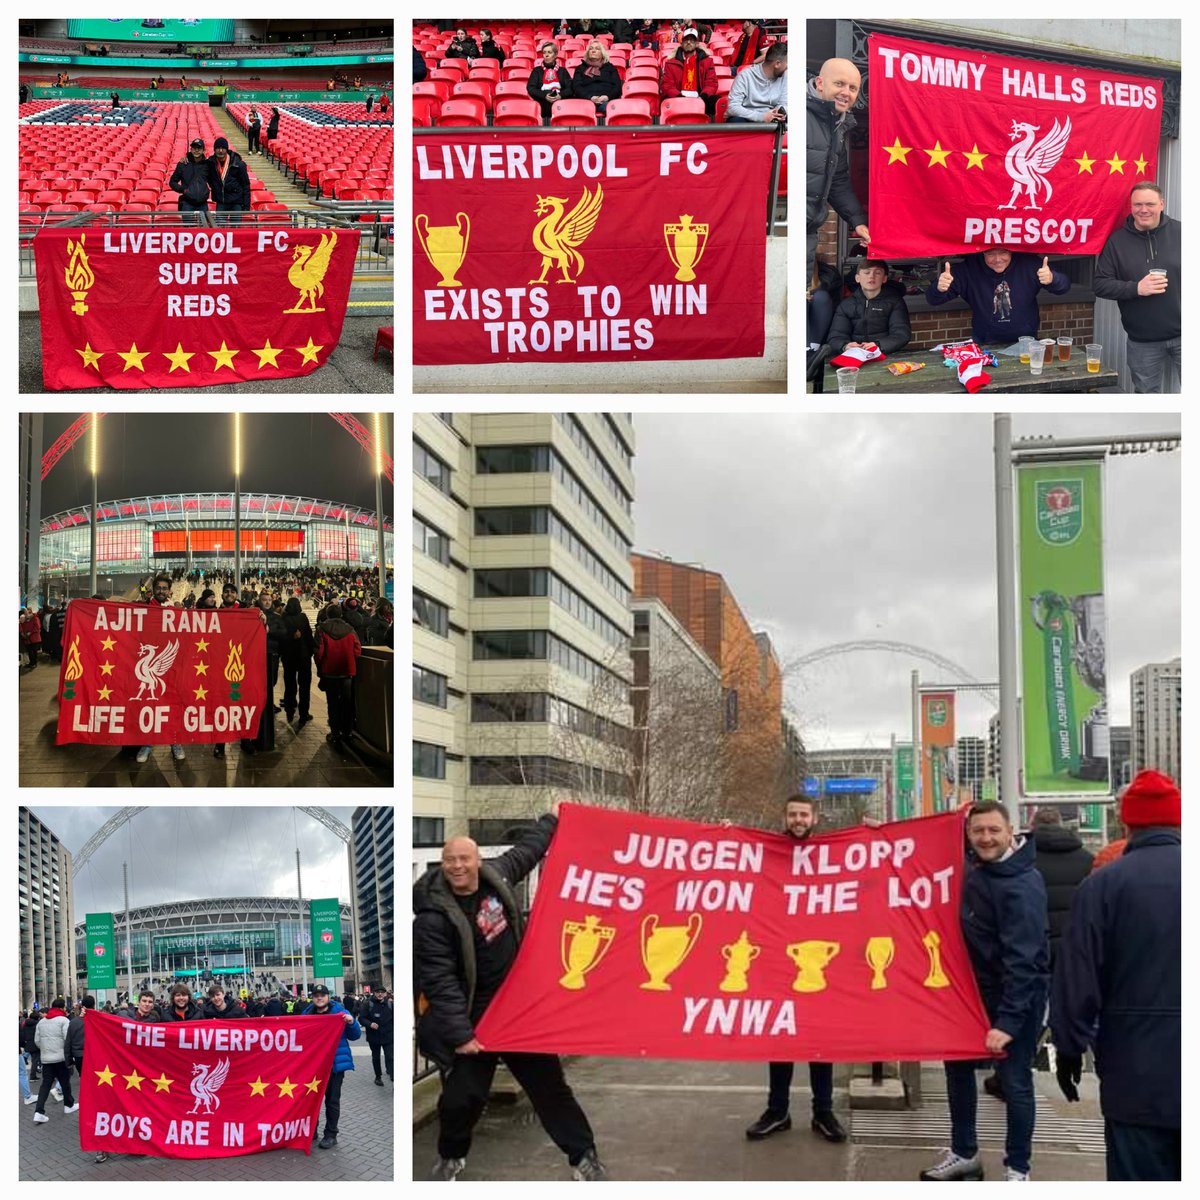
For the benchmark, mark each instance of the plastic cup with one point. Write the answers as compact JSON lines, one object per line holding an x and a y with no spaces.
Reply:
{"x":1064,"y":351}
{"x":1026,"y":344}
{"x":1047,"y":345}
{"x":1036,"y":363}
{"x":1093,"y":357}
{"x":847,"y":379}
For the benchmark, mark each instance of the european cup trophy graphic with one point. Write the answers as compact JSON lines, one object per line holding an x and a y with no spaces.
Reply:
{"x":445,"y":246}
{"x":664,"y":947}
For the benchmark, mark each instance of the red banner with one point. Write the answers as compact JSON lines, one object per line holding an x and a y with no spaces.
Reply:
{"x":204,"y":1089}
{"x":971,"y":149}
{"x":594,"y":245}
{"x":156,"y":307}
{"x":670,"y":939}
{"x":153,"y":675}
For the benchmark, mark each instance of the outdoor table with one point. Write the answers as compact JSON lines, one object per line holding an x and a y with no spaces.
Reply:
{"x":1011,"y":375}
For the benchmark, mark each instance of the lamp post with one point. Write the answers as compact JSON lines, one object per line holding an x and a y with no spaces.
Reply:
{"x":379,"y":422}
{"x":237,"y":501}
{"x":94,"y":462}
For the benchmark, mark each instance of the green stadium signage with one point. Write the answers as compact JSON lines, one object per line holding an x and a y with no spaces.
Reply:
{"x":175,"y":65}
{"x":220,"y":942}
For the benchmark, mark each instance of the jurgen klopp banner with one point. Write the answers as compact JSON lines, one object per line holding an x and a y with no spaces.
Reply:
{"x":204,"y":1089}
{"x":152,"y":675}
{"x":143,"y":308}
{"x":971,"y":149}
{"x":535,"y":245}
{"x":671,"y":939}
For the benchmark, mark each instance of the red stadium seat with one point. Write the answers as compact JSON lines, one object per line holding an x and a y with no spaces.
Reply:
{"x":517,"y":111}
{"x":642,"y":72}
{"x":628,"y":112}
{"x":783,"y":168}
{"x":683,"y":110}
{"x":573,"y":112}
{"x":43,"y":198}
{"x":425,"y":108}
{"x":112,"y":196}
{"x":468,"y":110}
{"x":722,"y":105}
{"x":517,"y":74}
{"x":723,"y":72}
{"x":724,"y":85}
{"x":475,"y":87}
{"x":78,"y":197}
{"x":455,"y":64}
{"x":642,"y":89}
{"x":450,"y":77}
{"x":513,"y":88}
{"x":482,"y":67}
{"x":437,"y":89}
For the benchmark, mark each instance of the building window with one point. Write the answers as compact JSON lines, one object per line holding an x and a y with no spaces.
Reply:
{"x":431,"y":541}
{"x":493,"y":522}
{"x":429,"y":467}
{"x":511,"y":460}
{"x":510,"y":643}
{"x":429,"y":614}
{"x":508,"y":706}
{"x":731,"y":710}
{"x":429,"y":761}
{"x":428,"y":831}
{"x":429,"y":687}
{"x":515,"y":581}
{"x":538,"y":770}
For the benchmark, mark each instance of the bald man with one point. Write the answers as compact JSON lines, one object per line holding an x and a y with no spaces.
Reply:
{"x":831,"y":96}
{"x":466,"y":931}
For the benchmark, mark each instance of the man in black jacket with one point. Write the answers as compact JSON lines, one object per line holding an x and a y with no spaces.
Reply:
{"x":549,"y":82}
{"x":229,"y":181}
{"x":190,"y":179}
{"x":376,"y":1017}
{"x":466,"y":931}
{"x":871,"y":314}
{"x":1140,"y":268}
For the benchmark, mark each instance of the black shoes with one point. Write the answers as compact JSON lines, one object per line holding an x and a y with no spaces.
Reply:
{"x":328,"y":1141}
{"x":768,"y":1124}
{"x":379,"y":1081}
{"x":828,"y":1126}
{"x":219,"y":750}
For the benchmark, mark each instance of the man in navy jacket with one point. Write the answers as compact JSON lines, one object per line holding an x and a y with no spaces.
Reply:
{"x":1117,"y":987}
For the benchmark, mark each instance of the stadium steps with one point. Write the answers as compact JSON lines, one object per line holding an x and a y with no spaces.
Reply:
{"x":286,"y":192}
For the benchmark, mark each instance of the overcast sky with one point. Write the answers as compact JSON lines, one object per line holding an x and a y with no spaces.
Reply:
{"x":833,"y":528}
{"x":188,"y":852}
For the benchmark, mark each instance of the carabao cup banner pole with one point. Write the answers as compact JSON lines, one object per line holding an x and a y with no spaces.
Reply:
{"x":670,"y":939}
{"x":1064,"y":711}
{"x":142,"y":307}
{"x":101,"y":953}
{"x":971,"y":149}
{"x":588,"y":245}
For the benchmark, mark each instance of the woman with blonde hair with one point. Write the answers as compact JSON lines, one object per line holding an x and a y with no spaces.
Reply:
{"x":596,"y":79}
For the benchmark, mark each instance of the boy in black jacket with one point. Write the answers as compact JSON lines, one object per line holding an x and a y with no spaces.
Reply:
{"x":871,"y":314}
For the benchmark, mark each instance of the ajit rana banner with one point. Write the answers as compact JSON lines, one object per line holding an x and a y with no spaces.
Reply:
{"x":204,"y":1089}
{"x":145,"y":308}
{"x":970,"y":149}
{"x":544,"y":245}
{"x":149,"y":674}
{"x":671,"y":939}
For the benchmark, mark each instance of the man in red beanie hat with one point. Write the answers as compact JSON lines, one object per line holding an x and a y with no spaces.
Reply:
{"x":1117,"y":987}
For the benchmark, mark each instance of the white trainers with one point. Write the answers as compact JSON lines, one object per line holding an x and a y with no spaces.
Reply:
{"x":56,"y":1097}
{"x":177,"y":753}
{"x":143,"y":755}
{"x":448,"y":1169}
{"x":75,"y":1108}
{"x":1014,"y":1176}
{"x":40,"y":1118}
{"x":953,"y":1166}
{"x":30,"y":1099}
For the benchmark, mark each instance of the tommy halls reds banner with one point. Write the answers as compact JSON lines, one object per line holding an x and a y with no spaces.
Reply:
{"x":591,"y":246}
{"x":971,"y":149}
{"x":204,"y":1089}
{"x":671,"y":939}
{"x":152,"y":675}
{"x":143,"y":308}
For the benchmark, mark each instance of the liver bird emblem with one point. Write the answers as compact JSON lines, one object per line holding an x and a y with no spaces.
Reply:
{"x":206,"y":1082}
{"x":1028,"y":166}
{"x":307,"y":272}
{"x":556,"y":237}
{"x":151,"y":666}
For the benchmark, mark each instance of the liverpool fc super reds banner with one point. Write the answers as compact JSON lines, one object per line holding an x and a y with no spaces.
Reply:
{"x":146,"y":307}
{"x":152,"y":675}
{"x":970,"y":149}
{"x":204,"y":1089}
{"x":593,"y":245}
{"x":671,"y":939}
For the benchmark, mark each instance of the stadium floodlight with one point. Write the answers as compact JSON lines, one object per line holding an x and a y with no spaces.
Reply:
{"x":378,"y":423}
{"x":237,"y":502}
{"x":94,"y":463}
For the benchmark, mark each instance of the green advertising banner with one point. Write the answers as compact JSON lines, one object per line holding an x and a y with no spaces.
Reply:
{"x":1061,"y":579}
{"x":325,"y":920}
{"x":160,"y":95}
{"x":101,"y":951}
{"x":988,"y":791}
{"x":905,"y":801}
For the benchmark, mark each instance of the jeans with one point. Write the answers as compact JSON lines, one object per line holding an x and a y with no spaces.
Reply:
{"x":1148,"y":364}
{"x":229,"y":214}
{"x":51,"y":1072}
{"x":811,"y":255}
{"x":174,"y":746}
{"x":1142,"y":1152}
{"x":820,"y":317}
{"x":25,"y":1092}
{"x":1016,"y":1078}
{"x":820,"y":1079}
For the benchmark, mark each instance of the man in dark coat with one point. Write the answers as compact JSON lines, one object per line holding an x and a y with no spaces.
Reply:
{"x":181,"y":1006}
{"x":229,"y":181}
{"x":1004,"y":925}
{"x":549,"y":82}
{"x":219,"y":1008}
{"x":376,"y":1017}
{"x":1118,"y":987}
{"x":420,"y":67}
{"x":875,"y":313}
{"x":190,"y":179}
{"x":466,"y":931}
{"x":690,"y":73}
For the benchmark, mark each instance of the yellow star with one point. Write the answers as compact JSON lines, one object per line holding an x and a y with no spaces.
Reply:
{"x":200,"y":692}
{"x":201,"y":668}
{"x":202,"y":645}
{"x":90,"y":357}
{"x":974,"y":156}
{"x":258,"y":1088}
{"x":223,"y":357}
{"x":179,"y":358}
{"x":162,"y":1083}
{"x":106,"y":668}
{"x":133,"y":358}
{"x":897,"y":153}
{"x":1085,"y":163}
{"x":108,"y":643}
{"x":106,"y":1076}
{"x":287,"y":1087}
{"x":312,"y":1085}
{"x":134,"y":1081}
{"x":1115,"y":165}
{"x":937,"y":156}
{"x":270,"y":353}
{"x":1140,"y":163}
{"x":308,"y":353}
{"x":104,"y":693}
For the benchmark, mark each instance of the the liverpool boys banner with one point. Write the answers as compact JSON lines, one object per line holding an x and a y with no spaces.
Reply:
{"x":152,"y":675}
{"x":549,"y":245}
{"x":671,"y":939}
{"x":971,"y":149}
{"x":204,"y":1089}
{"x":146,"y":307}
{"x":1064,"y":708}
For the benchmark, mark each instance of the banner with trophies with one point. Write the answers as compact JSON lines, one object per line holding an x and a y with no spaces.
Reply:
{"x":1065,"y":742}
{"x":670,"y":939}
{"x":589,"y":245}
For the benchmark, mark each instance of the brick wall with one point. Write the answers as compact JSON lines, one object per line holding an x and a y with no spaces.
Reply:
{"x":946,"y":325}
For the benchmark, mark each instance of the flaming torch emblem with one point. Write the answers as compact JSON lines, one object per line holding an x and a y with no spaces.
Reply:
{"x":78,"y":274}
{"x":73,"y":670}
{"x":235,"y":671}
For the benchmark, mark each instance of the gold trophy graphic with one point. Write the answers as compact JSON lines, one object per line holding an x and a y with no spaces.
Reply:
{"x":589,"y":942}
{"x":664,"y":947}
{"x":689,"y":243}
{"x":811,"y":959}
{"x":445,"y":246}
{"x":880,"y":952}
{"x":936,"y":977}
{"x":739,"y":955}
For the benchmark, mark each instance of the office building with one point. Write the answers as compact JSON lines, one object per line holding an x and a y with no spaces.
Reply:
{"x":1155,"y":699}
{"x":372,"y":855}
{"x":44,"y":892}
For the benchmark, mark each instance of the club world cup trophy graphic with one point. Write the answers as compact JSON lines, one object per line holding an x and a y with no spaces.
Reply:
{"x":445,"y":246}
{"x":664,"y":947}
{"x":879,"y":954}
{"x":582,"y":946}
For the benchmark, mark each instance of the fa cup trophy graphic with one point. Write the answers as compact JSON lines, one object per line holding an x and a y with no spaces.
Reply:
{"x":738,"y":955}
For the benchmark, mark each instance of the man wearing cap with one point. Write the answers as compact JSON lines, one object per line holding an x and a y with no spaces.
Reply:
{"x":690,"y":73}
{"x":229,"y":181}
{"x":1117,"y":987}
{"x":190,"y":179}
{"x":1001,"y":289}
{"x":322,"y":1006}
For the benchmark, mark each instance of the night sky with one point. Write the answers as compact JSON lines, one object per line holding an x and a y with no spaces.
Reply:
{"x":302,"y":454}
